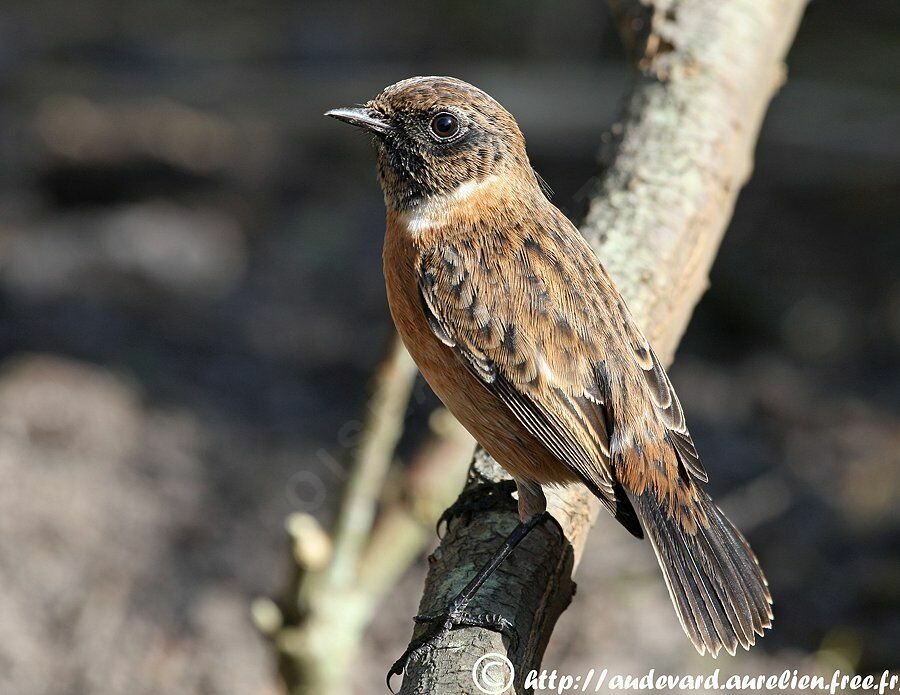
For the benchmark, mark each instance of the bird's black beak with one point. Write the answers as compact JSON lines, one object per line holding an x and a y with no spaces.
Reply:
{"x":362,"y":117}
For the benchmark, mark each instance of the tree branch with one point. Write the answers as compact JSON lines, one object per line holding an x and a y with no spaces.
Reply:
{"x":706,"y":71}
{"x":339,"y":579}
{"x":391,"y":387}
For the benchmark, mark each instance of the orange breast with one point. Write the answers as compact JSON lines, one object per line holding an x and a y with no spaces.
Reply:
{"x":479,"y":411}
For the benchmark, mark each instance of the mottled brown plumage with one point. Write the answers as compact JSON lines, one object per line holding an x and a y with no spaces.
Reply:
{"x":521,"y":332}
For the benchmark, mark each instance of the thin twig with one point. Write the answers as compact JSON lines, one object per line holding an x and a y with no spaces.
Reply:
{"x":391,"y":388}
{"x":339,"y":579}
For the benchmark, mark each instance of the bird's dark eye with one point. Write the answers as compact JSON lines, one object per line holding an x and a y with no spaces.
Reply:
{"x":445,"y":125}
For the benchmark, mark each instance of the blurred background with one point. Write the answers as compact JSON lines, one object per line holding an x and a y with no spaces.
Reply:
{"x":191,"y":304}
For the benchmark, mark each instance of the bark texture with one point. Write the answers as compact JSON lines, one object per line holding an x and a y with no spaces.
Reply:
{"x":672,"y":169}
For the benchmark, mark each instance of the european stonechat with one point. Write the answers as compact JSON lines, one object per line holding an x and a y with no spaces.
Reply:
{"x":523,"y":335}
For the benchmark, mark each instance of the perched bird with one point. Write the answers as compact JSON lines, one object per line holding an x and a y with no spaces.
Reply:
{"x":523,"y":335}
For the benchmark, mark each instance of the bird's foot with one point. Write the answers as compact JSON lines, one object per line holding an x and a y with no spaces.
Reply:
{"x":477,"y":499}
{"x":439,"y":625}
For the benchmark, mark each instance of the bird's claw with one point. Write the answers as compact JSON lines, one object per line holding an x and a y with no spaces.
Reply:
{"x":479,"y":498}
{"x":442,"y":623}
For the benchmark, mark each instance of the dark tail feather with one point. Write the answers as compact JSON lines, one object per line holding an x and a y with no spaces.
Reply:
{"x":715,"y":581}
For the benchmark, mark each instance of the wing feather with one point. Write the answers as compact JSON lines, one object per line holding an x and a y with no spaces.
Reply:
{"x":667,"y":405}
{"x":564,"y":408}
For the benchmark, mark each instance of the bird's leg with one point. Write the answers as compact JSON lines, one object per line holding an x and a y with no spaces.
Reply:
{"x":456,"y":615}
{"x":479,"y":498}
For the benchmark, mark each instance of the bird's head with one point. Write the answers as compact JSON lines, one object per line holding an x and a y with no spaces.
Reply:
{"x":434,"y":135}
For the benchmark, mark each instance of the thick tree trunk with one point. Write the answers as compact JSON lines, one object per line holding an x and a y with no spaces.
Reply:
{"x":706,"y":71}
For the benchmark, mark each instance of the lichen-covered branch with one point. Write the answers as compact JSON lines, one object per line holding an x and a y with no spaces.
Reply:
{"x":672,"y":168}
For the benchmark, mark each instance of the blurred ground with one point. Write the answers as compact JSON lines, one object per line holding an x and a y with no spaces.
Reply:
{"x":191,"y":300}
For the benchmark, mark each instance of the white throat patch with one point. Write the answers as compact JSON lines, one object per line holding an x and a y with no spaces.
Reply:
{"x":437,"y":209}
